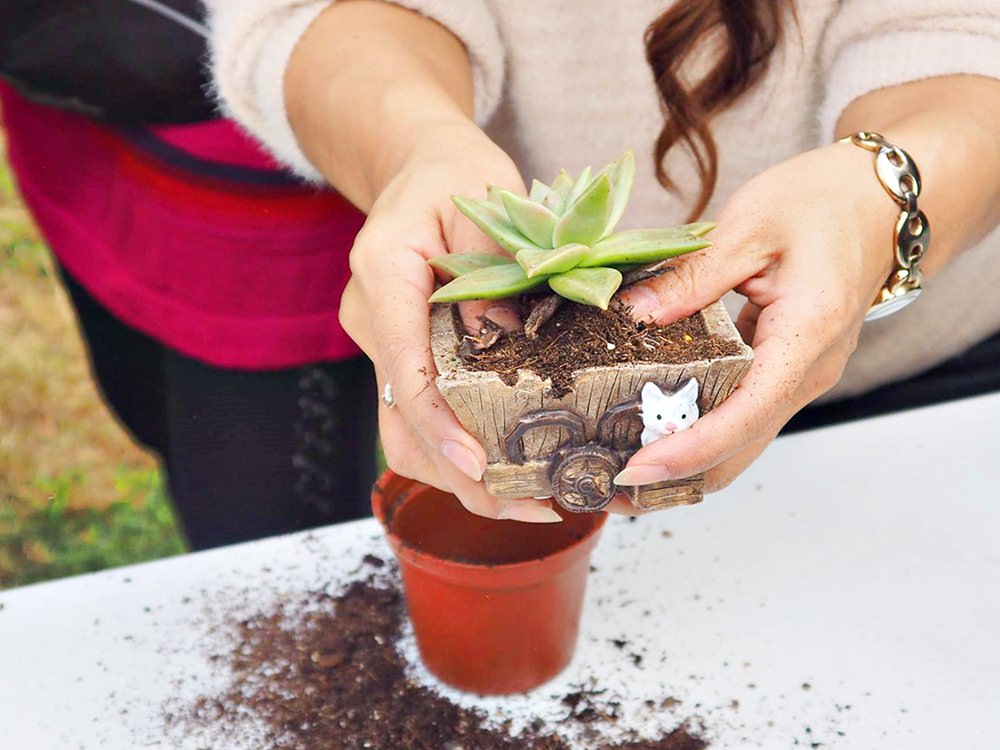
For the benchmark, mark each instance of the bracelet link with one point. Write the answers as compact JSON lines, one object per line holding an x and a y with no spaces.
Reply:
{"x":911,"y":235}
{"x":897,"y":172}
{"x":902,"y":287}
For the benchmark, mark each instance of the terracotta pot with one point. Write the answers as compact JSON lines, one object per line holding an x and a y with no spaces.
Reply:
{"x":495,"y":605}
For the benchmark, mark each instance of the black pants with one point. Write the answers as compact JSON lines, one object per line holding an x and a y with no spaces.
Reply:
{"x":246,"y":454}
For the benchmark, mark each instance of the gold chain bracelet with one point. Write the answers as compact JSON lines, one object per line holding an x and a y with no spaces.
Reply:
{"x":900,"y":178}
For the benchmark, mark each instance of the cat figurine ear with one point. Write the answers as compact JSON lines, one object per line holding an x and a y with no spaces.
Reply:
{"x":666,"y":413}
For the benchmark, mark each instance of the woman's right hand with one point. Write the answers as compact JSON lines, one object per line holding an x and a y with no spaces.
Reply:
{"x":385,"y":310}
{"x":380,"y":100}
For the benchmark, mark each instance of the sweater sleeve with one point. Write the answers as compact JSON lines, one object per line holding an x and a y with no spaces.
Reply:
{"x":252,"y":40}
{"x":872,"y":45}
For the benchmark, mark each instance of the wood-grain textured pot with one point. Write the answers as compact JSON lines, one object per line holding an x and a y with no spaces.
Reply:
{"x":492,"y":411}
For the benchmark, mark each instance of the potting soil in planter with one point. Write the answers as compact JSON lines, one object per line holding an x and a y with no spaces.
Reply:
{"x":581,"y":336}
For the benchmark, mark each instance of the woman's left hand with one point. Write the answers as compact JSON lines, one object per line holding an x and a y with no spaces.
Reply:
{"x":808,"y":242}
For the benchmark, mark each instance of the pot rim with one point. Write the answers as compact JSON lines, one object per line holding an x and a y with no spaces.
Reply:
{"x":479,"y":575}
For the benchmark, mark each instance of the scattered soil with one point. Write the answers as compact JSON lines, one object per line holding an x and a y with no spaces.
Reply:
{"x":679,"y":739}
{"x":325,"y":673}
{"x":580,"y":336}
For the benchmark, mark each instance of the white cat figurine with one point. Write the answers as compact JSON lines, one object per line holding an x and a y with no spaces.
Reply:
{"x":666,"y":413}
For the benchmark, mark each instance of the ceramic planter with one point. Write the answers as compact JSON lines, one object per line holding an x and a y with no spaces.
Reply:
{"x":495,"y":605}
{"x":571,"y":447}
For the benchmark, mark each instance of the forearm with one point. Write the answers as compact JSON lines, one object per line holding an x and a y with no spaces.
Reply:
{"x":367,"y":85}
{"x":951,"y":127}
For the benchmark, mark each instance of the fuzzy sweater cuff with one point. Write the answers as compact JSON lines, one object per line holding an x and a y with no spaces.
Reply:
{"x":253,"y":40}
{"x":900,"y":57}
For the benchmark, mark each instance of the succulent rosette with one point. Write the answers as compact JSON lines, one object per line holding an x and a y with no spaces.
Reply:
{"x":561,"y":237}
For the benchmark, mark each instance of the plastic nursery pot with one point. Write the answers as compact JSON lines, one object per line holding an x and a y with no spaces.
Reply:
{"x":495,"y":605}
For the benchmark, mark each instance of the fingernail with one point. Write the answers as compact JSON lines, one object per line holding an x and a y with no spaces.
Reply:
{"x":528,"y":513}
{"x":642,"y":301}
{"x":463,"y":459}
{"x":499,"y":309}
{"x":634,"y":476}
{"x":504,"y":315}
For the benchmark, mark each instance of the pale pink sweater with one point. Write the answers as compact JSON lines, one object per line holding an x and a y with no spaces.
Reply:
{"x":564,"y":83}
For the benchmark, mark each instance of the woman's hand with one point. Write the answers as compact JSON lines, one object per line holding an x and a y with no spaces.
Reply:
{"x":385,"y":310}
{"x":808,"y":242}
{"x":380,"y":100}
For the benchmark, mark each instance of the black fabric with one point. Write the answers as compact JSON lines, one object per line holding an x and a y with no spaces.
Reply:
{"x":124,"y":61}
{"x":246,"y":454}
{"x":975,"y":372}
{"x":172,"y":157}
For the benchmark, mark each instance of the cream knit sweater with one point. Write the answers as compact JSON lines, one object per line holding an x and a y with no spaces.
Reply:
{"x":565,"y":83}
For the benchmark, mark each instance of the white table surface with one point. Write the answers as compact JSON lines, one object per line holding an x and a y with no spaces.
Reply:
{"x":862,"y":560}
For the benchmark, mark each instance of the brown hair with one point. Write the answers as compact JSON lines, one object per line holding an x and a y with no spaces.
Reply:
{"x":749,"y":31}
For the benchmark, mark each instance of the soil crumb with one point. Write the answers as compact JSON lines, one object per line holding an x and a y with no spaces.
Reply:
{"x":324,"y":672}
{"x":581,"y":336}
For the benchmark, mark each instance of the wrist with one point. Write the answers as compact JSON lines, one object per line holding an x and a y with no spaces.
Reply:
{"x":442,"y":160}
{"x":861,"y":216}
{"x":365,"y":84}
{"x":433,"y":142}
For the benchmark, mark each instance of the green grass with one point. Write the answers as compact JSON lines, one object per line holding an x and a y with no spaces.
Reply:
{"x":57,"y":539}
{"x":7,"y":190}
{"x":75,"y":494}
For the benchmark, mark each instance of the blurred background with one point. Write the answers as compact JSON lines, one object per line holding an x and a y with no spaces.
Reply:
{"x":76,"y":494}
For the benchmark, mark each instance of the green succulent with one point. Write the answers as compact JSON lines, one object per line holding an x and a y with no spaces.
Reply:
{"x":561,"y":236}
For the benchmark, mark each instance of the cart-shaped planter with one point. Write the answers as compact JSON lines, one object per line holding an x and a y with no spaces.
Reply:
{"x":571,"y":447}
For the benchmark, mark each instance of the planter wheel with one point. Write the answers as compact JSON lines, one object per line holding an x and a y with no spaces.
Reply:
{"x":621,"y":425}
{"x":583,"y":478}
{"x":567,"y":420}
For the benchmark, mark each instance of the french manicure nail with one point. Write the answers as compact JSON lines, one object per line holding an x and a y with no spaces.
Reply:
{"x":463,"y":459}
{"x":634,"y":476}
{"x":528,"y":513}
{"x":499,"y":309}
{"x":642,"y":301}
{"x":505,"y":315}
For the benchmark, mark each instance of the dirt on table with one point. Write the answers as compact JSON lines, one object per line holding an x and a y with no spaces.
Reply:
{"x":580,"y":336}
{"x":325,"y":673}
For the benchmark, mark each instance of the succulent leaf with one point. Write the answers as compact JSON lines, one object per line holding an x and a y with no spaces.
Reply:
{"x":488,"y":283}
{"x":590,"y":286}
{"x":562,"y":184}
{"x":641,"y":246}
{"x":547,"y":262}
{"x":699,"y":228}
{"x":562,"y":235}
{"x":581,"y":184}
{"x":554,"y":203}
{"x":538,"y":191}
{"x":458,"y":264}
{"x":585,"y":219}
{"x":533,"y":220}
{"x":622,"y":175}
{"x":493,"y":220}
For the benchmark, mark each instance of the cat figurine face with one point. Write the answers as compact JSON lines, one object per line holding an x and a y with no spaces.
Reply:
{"x":666,"y":413}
